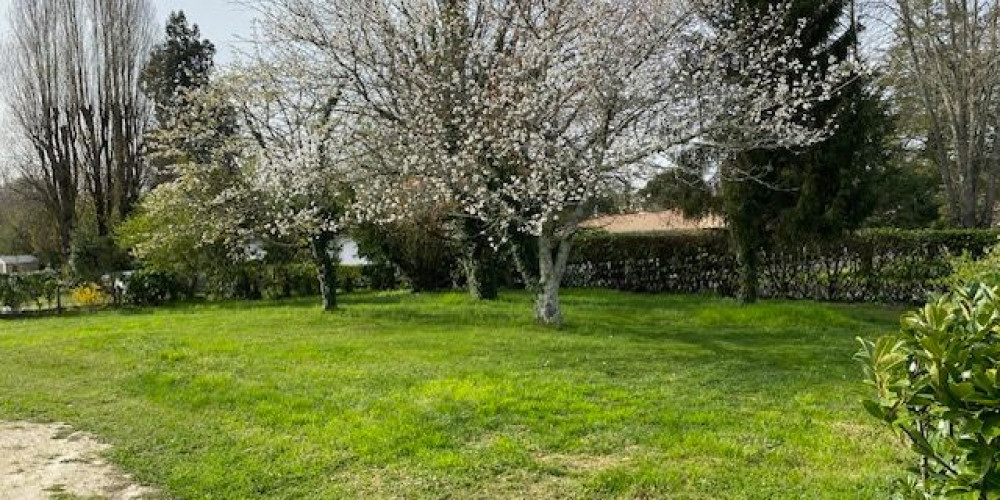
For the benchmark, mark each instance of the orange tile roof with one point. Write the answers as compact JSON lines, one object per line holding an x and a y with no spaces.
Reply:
{"x":645,"y":222}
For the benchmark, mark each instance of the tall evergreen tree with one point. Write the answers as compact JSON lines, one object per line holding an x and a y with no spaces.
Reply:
{"x":820,"y":192}
{"x":181,"y":63}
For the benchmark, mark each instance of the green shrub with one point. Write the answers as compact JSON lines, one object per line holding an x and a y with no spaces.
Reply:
{"x":350,"y":277}
{"x":151,"y":288}
{"x":291,"y":278}
{"x":967,"y":269}
{"x":874,"y":265}
{"x":420,"y":249}
{"x":41,"y":287}
{"x":13,"y":293}
{"x":381,"y":275}
{"x":936,"y":384}
{"x":93,"y":256}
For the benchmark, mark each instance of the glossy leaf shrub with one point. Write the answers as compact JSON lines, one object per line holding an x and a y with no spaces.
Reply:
{"x":936,"y":384}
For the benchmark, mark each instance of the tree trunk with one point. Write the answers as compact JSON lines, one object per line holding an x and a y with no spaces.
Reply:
{"x":747,"y":259}
{"x":326,"y":269}
{"x":553,"y":255}
{"x":481,"y":276}
{"x":480,"y":263}
{"x":969,"y":218}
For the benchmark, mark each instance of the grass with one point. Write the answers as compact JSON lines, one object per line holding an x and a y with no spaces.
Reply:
{"x":432,"y":396}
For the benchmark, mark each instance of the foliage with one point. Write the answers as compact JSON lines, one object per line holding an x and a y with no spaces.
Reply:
{"x":520,"y":116}
{"x":276,"y":175}
{"x":76,"y":105}
{"x":203,"y":228}
{"x":381,"y":275}
{"x":89,"y":294}
{"x":945,"y":80}
{"x":872,"y":265}
{"x":936,"y":384}
{"x":181,"y":63}
{"x":294,"y":276}
{"x":40,"y":287}
{"x":420,"y":249}
{"x":26,"y":226}
{"x":13,"y":293}
{"x":968,"y":270}
{"x":152,"y":288}
{"x":92,"y":256}
{"x":815,"y":192}
{"x":684,"y":188}
{"x":437,"y":395}
{"x":195,"y":228}
{"x":909,"y":194}
{"x":350,"y":277}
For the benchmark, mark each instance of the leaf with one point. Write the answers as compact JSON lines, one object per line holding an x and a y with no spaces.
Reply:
{"x":874,"y":409}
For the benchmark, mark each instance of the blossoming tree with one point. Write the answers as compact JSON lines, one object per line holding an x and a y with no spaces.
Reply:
{"x":276,"y":178}
{"x":296,"y":156}
{"x":518,"y":116}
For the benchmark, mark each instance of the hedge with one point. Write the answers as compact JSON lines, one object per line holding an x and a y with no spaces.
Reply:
{"x":18,"y":290}
{"x":889,"y":266}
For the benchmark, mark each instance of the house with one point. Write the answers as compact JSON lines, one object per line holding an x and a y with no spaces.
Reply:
{"x":653,"y":222}
{"x":350,"y":253}
{"x":10,"y":264}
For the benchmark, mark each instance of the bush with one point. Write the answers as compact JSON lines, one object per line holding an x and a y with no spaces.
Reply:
{"x":873,"y":265}
{"x":290,"y":279}
{"x":89,"y":294}
{"x":350,"y":277}
{"x":152,"y":288}
{"x":42,"y":286}
{"x":94,"y":256}
{"x":681,"y":262}
{"x":936,"y":384}
{"x":381,"y":275}
{"x":16,"y":290}
{"x":966,"y":269}
{"x":12,"y":292}
{"x":420,"y":249}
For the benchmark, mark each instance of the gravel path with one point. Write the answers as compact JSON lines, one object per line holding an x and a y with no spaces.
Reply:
{"x":42,"y":461}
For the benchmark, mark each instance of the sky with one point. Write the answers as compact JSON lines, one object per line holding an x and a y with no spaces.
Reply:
{"x":221,"y":21}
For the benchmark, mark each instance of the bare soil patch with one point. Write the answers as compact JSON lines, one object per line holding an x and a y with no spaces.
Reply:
{"x":45,"y":461}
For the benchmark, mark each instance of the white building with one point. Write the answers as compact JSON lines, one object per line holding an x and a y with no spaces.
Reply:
{"x":10,"y":264}
{"x":349,"y":255}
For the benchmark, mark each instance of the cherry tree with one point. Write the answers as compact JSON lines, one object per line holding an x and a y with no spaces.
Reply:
{"x":295,"y":156}
{"x":518,"y":116}
{"x":278,"y":174}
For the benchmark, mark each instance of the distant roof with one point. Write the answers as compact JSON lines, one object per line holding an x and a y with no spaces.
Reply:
{"x":644,"y":222}
{"x":18,"y":259}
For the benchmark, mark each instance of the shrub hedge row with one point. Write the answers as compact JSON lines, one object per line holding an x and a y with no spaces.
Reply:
{"x":891,"y":266}
{"x":18,"y":290}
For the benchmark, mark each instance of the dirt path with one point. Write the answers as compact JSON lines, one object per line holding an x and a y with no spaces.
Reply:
{"x":39,"y":462}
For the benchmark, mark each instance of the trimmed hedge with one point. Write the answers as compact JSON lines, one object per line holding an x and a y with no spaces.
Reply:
{"x":18,"y":290}
{"x":890,"y":266}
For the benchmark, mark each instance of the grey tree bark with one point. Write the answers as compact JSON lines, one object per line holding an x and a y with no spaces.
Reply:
{"x":74,"y":93}
{"x":326,"y":269}
{"x":952,"y":61}
{"x":553,"y":256}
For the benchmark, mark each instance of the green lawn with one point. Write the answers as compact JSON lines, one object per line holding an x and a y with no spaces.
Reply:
{"x":432,"y":396}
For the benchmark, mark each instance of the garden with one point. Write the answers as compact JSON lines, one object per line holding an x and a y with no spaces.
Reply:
{"x":373,"y":252}
{"x":404,"y":395}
